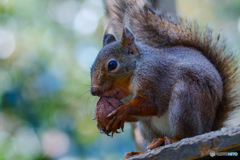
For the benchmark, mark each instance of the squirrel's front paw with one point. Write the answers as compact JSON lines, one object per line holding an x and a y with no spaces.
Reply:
{"x":117,"y":119}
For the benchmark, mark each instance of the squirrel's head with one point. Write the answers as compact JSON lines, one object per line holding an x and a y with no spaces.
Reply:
{"x":112,"y":70}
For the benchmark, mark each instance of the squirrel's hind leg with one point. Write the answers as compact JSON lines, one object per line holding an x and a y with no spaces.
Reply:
{"x":191,"y":107}
{"x":157,"y":142}
{"x":132,"y":153}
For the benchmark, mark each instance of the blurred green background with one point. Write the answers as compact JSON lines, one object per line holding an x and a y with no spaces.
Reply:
{"x":46,"y":51}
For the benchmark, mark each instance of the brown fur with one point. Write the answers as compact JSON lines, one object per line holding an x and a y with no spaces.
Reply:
{"x":183,"y":80}
{"x":161,"y":30}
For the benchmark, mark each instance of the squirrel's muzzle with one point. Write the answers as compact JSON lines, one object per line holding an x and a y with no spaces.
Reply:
{"x":95,"y":91}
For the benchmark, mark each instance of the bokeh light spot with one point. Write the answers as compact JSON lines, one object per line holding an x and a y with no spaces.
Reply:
{"x":7,"y":43}
{"x":86,"y":56}
{"x":55,"y":143}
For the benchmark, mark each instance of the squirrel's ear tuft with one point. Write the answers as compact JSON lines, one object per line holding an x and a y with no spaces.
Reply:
{"x":108,"y":38}
{"x":127,"y":37}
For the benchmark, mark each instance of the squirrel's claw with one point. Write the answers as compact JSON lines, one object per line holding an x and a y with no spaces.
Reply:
{"x":168,"y":141}
{"x":157,"y":142}
{"x":112,"y":113}
{"x":106,"y":117}
{"x":107,"y":133}
{"x":122,"y":126}
{"x":115,"y":131}
{"x":101,"y":131}
{"x":109,"y":126}
{"x":117,"y":118}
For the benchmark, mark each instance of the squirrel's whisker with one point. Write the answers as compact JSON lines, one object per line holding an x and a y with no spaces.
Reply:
{"x":115,"y":93}
{"x":124,"y":97}
{"x":124,"y":89}
{"x":84,"y":93}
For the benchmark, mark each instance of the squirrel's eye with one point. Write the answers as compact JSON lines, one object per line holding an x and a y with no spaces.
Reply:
{"x":112,"y":65}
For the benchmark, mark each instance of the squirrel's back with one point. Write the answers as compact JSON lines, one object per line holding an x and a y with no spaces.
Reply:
{"x":161,"y":30}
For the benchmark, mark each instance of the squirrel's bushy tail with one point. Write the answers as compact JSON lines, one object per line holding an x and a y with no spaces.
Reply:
{"x":160,"y":30}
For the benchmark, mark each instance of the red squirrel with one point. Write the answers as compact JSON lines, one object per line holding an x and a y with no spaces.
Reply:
{"x":183,"y":80}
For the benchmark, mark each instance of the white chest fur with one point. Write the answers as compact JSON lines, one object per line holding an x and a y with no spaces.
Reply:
{"x":161,"y":124}
{"x":155,"y":127}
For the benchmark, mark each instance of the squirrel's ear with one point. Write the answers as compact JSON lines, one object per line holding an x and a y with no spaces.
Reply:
{"x":127,"y":37}
{"x":108,"y":38}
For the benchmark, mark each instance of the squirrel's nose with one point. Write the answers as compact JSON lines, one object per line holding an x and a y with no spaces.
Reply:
{"x":95,"y":91}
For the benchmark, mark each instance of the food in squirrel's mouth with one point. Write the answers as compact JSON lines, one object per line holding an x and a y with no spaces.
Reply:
{"x":115,"y":94}
{"x":119,"y":95}
{"x":105,"y":106}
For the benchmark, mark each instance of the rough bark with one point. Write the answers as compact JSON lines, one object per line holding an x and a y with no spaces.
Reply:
{"x":199,"y":147}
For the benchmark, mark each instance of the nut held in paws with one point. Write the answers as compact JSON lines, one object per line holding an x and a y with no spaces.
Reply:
{"x":105,"y":106}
